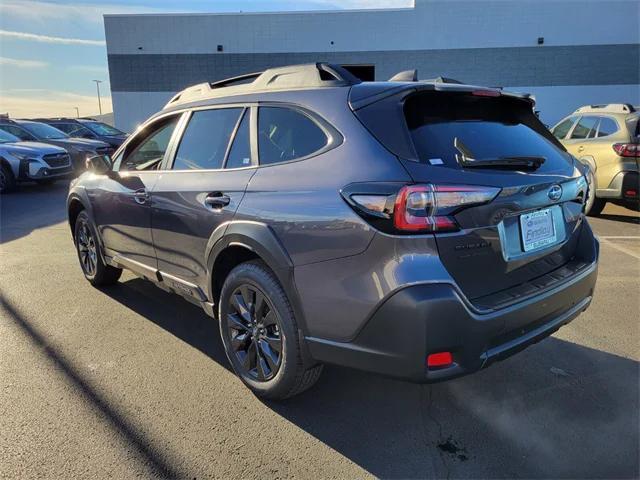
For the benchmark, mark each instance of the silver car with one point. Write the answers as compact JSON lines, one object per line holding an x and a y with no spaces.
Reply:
{"x":30,"y":161}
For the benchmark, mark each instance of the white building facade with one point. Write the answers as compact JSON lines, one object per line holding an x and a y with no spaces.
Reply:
{"x":567,"y":52}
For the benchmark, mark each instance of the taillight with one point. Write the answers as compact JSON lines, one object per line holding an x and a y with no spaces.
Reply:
{"x":627,"y":149}
{"x":429,"y":208}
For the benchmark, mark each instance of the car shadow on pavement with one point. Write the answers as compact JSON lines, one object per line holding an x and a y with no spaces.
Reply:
{"x":174,"y":314}
{"x":32,"y":207}
{"x":556,"y":410}
{"x":633,"y":217}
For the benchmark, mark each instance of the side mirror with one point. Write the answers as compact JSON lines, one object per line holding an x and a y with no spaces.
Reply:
{"x":100,"y":164}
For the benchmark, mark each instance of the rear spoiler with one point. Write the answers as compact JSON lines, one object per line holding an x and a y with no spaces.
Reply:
{"x":362,"y":98}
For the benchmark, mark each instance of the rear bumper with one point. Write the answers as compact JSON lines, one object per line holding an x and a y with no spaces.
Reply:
{"x":621,"y":187}
{"x":429,"y":318}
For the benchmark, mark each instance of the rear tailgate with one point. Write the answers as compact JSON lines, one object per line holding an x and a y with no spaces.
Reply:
{"x":532,"y":228}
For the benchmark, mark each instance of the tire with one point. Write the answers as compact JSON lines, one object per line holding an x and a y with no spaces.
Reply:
{"x":94,"y":269}
{"x":594,"y":205}
{"x":253,"y":305}
{"x":597,"y":207}
{"x":7,"y":180}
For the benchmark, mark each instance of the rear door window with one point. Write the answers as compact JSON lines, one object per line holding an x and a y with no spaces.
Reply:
{"x":285,"y":134}
{"x":204,"y":143}
{"x":487,"y":127}
{"x":585,"y":128}
{"x":240,"y":153}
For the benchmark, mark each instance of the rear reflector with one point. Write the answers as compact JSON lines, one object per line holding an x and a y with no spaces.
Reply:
{"x":440,"y":359}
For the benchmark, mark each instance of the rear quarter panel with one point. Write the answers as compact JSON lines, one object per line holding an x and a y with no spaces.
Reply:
{"x":301,"y":201}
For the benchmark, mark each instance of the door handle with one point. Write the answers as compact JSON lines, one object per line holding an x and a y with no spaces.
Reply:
{"x":141,"y":196}
{"x":217,"y":200}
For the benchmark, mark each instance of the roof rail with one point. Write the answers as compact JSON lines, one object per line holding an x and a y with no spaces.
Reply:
{"x":608,"y":107}
{"x":312,"y":75}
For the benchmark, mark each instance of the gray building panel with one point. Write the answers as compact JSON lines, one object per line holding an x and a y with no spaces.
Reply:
{"x":509,"y":66}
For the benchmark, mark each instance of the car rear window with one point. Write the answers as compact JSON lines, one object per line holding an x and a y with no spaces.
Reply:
{"x":489,"y":128}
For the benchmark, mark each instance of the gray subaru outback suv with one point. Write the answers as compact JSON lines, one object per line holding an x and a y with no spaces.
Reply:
{"x":416,"y":229}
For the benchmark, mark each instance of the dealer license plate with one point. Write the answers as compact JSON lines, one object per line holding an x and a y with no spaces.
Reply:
{"x":537,"y":229}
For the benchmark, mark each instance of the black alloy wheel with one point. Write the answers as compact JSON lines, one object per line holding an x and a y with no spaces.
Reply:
{"x":255,"y":332}
{"x":87,"y":249}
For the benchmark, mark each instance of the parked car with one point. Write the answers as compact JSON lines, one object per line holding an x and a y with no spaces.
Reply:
{"x":79,"y":148}
{"x":421,"y":230}
{"x":607,"y":138}
{"x":30,"y":161}
{"x":87,"y":128}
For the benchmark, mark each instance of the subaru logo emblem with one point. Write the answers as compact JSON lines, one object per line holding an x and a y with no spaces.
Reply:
{"x":555,"y":192}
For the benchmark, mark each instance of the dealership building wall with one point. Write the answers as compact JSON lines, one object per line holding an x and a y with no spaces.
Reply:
{"x":590,"y":51}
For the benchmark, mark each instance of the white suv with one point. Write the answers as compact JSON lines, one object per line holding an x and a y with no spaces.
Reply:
{"x":30,"y":161}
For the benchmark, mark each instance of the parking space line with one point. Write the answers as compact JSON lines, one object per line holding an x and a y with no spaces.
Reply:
{"x":620,"y":237}
{"x":606,"y":241}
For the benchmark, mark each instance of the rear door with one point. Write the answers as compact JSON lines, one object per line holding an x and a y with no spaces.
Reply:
{"x":579,"y":142}
{"x":202,"y":184}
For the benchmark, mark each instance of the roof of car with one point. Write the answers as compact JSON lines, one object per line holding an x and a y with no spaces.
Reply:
{"x":624,"y":108}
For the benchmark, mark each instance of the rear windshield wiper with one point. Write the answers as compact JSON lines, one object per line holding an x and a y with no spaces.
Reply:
{"x":465,"y":159}
{"x":511,"y":162}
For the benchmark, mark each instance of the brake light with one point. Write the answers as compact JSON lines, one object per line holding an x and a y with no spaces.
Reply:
{"x":486,"y":93}
{"x":627,"y":149}
{"x":428,"y":208}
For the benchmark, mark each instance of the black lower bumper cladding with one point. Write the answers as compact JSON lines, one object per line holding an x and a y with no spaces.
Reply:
{"x":429,"y":318}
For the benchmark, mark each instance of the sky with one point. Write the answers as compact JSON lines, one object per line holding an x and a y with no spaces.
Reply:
{"x":50,"y":51}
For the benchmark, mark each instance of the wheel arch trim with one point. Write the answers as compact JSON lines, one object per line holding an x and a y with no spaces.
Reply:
{"x":260,"y":239}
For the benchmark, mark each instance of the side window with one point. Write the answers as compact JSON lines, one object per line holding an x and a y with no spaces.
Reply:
{"x":19,"y":132}
{"x":285,"y":134}
{"x":205,"y":140}
{"x":240,"y":154}
{"x":584,"y":127}
{"x":65,"y":127}
{"x":607,"y":127}
{"x":563,"y":128}
{"x":147,"y":152}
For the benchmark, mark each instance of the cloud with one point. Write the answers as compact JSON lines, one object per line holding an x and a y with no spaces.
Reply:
{"x":80,"y":12}
{"x":42,"y":12}
{"x":49,"y":39}
{"x":90,"y":69}
{"x":26,"y":103}
{"x":15,"y":62}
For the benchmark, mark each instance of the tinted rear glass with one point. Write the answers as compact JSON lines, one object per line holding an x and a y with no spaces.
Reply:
{"x":489,"y":128}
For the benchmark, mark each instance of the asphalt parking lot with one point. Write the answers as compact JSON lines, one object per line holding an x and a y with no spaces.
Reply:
{"x":132,"y":381}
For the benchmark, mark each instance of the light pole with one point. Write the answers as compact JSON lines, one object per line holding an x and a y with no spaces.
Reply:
{"x":98,"y":82}
{"x":77,"y":112}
